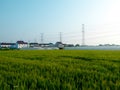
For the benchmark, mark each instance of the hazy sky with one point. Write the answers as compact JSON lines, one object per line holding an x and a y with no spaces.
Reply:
{"x":27,"y":19}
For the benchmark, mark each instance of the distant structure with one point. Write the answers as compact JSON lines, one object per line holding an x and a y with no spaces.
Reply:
{"x":8,"y":45}
{"x":59,"y":45}
{"x":42,"y":38}
{"x":17,"y":45}
{"x":22,"y":44}
{"x":83,"y":35}
{"x":60,"y":37}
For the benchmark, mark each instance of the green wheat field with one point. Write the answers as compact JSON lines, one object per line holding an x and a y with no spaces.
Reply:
{"x":60,"y":70}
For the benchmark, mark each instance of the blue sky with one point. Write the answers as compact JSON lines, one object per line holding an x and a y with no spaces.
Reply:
{"x":27,"y":19}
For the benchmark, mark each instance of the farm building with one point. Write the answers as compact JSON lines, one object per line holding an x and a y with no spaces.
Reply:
{"x":33,"y":45}
{"x":21,"y":44}
{"x":8,"y":45}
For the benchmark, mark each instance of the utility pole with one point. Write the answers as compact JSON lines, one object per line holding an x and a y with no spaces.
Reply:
{"x":60,"y":37}
{"x":83,"y":35}
{"x":42,"y":37}
{"x":35,"y":40}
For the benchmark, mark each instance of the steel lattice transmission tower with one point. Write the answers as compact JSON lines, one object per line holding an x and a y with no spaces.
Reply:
{"x":83,"y":35}
{"x":60,"y":36}
{"x":42,"y":40}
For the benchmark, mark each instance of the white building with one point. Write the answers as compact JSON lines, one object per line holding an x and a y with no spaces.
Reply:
{"x":22,"y":44}
{"x":8,"y":45}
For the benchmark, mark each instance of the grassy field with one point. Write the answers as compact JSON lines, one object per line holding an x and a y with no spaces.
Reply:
{"x":60,"y":70}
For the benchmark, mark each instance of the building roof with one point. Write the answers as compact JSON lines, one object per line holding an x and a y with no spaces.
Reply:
{"x":8,"y":43}
{"x":33,"y":43}
{"x":21,"y":42}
